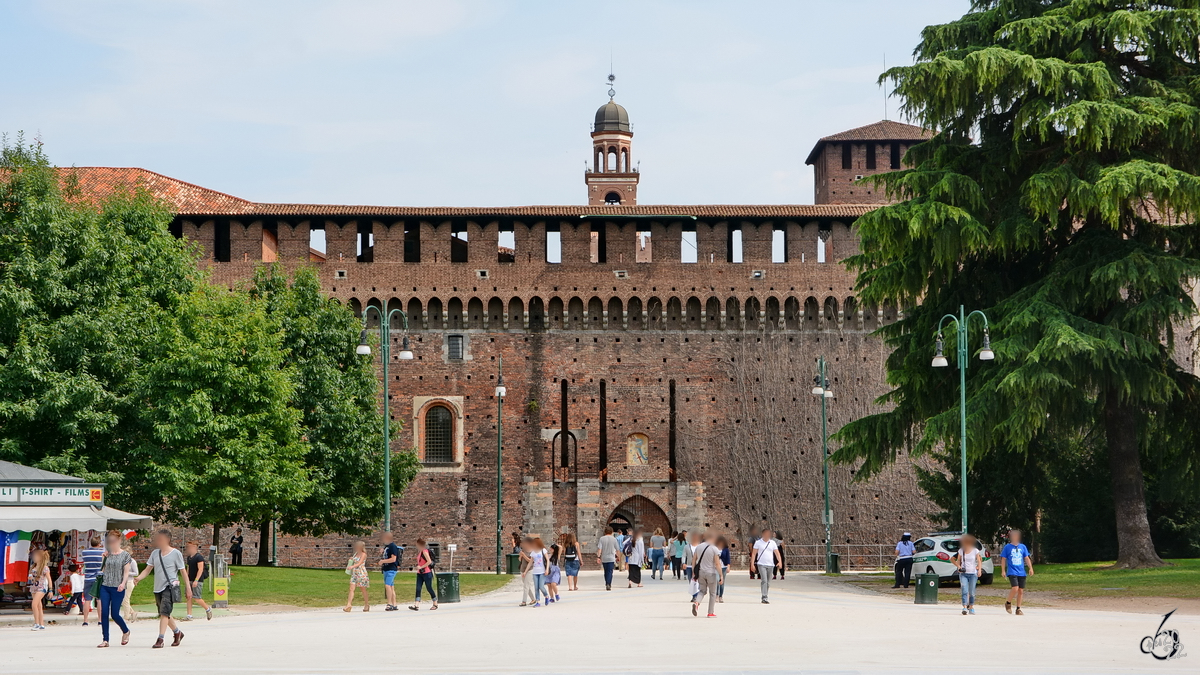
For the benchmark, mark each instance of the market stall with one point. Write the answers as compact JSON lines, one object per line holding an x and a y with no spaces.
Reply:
{"x":42,"y":510}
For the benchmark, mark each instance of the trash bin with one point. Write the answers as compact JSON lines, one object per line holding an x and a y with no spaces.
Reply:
{"x":513,"y":563}
{"x":447,"y":587}
{"x":834,"y":566}
{"x":927,"y":589}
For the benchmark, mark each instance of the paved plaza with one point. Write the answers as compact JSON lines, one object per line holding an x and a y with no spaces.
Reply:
{"x":811,"y":626}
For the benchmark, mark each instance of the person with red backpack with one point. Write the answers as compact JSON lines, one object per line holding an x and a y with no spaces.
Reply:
{"x":424,"y":575}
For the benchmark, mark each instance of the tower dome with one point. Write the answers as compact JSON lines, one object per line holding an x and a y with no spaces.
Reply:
{"x":612,"y":117}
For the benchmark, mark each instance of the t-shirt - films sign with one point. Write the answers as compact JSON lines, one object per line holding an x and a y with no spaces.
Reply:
{"x":85,"y":494}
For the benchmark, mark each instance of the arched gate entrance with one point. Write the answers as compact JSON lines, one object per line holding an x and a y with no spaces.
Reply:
{"x":639,"y":511}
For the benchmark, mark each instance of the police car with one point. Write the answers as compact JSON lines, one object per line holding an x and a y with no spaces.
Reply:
{"x":933,"y":555}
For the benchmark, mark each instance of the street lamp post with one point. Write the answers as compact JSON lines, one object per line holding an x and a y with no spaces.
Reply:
{"x":385,"y":351}
{"x":822,"y":391}
{"x":501,"y":391}
{"x":961,"y":323}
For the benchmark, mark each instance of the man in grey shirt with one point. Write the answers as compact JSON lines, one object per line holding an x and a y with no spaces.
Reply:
{"x":606,"y":555}
{"x":168,"y":565}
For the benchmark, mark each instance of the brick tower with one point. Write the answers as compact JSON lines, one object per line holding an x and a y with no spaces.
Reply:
{"x":612,"y":180}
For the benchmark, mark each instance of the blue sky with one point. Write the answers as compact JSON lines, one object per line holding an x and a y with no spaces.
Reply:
{"x":452,"y":102}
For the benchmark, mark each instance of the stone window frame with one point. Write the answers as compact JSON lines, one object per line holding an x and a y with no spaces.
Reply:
{"x":421,"y":406}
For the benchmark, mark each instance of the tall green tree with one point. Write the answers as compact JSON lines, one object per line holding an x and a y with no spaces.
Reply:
{"x":120,"y":363}
{"x":85,"y":289}
{"x":337,"y":395}
{"x":220,"y":442}
{"x":1060,"y":195}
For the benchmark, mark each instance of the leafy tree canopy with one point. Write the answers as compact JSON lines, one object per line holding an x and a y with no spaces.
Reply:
{"x":1060,"y":196}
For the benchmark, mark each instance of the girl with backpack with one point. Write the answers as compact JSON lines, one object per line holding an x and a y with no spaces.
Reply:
{"x":424,"y":575}
{"x":572,"y":559}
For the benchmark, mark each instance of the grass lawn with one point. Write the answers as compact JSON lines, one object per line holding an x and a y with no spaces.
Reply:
{"x":1081,"y":580}
{"x":316,"y":588}
{"x":1096,"y":579}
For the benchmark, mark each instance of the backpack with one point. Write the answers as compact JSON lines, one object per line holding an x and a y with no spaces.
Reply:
{"x":628,"y":549}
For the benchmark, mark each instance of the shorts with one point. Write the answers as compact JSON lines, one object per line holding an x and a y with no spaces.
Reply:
{"x":198,"y":589}
{"x":1015,"y":581}
{"x":571,"y":568}
{"x":389,"y":577}
{"x":165,"y":601}
{"x":87,"y":588}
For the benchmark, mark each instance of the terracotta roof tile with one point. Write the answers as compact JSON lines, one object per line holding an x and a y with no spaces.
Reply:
{"x":189,"y":199}
{"x":99,"y":181}
{"x":884,"y":130}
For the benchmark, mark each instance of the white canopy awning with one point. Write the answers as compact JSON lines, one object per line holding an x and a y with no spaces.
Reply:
{"x":47,"y":518}
{"x":120,"y":520}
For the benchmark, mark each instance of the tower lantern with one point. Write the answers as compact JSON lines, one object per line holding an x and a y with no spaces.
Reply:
{"x":612,"y":179}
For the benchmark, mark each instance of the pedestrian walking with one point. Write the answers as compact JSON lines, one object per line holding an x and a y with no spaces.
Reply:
{"x":765,"y":559}
{"x":658,"y":554}
{"x":389,"y":564}
{"x":969,"y":561}
{"x":572,"y":560}
{"x":92,"y":557}
{"x":424,"y":576}
{"x":1016,"y":565}
{"x":554,"y":575}
{"x":235,"y":547}
{"x":39,"y":587}
{"x":689,"y":551}
{"x":904,"y":560}
{"x":167,"y":564}
{"x":635,"y":557}
{"x":709,"y":574}
{"x":750,"y":544}
{"x":197,"y":573}
{"x":516,"y":542}
{"x":526,"y":571}
{"x":130,"y":582}
{"x":356,"y":567}
{"x":606,"y":556}
{"x":76,"y":599}
{"x":677,"y":545}
{"x":114,"y":573}
{"x":621,"y":537}
{"x":781,"y":568}
{"x":538,"y":570}
{"x":723,"y":544}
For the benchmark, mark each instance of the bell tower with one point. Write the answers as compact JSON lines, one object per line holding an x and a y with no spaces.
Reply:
{"x":612,"y":179}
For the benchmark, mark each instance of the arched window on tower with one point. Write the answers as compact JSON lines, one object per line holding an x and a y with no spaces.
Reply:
{"x":612,"y":199}
{"x":610,"y":162}
{"x":625,"y":160}
{"x":439,"y":427}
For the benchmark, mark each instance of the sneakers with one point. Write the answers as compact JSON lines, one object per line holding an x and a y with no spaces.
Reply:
{"x":970,"y":610}
{"x":208,"y":613}
{"x":765,"y":602}
{"x":1019,"y":612}
{"x":964,"y":611}
{"x":695,"y":606}
{"x":1008,"y":607}
{"x":188,"y":617}
{"x":158,"y":644}
{"x":712,"y":616}
{"x":556,"y":598}
{"x":537,"y":604}
{"x":178,"y":638}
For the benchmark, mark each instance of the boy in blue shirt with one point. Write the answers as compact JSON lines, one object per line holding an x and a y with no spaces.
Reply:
{"x":1016,"y":565}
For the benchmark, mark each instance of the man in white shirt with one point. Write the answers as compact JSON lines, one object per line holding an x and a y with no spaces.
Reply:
{"x":764,"y":560}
